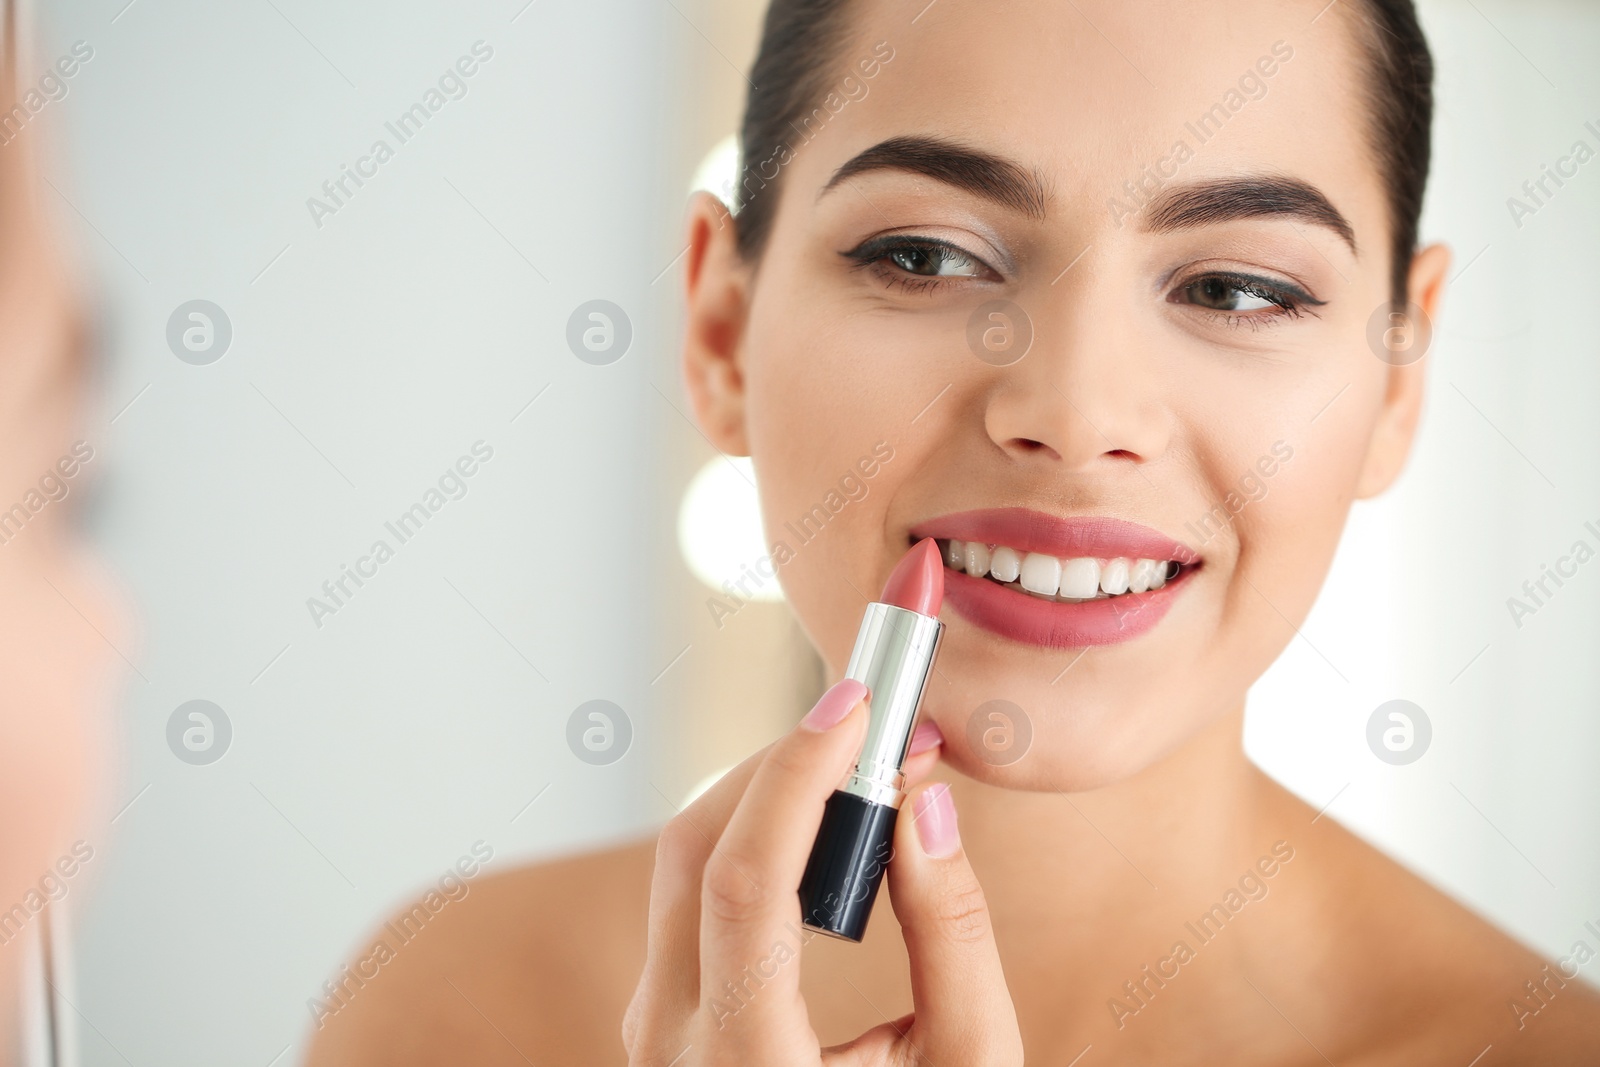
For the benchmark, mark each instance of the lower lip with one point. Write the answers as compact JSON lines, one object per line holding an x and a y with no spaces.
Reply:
{"x":1035,"y":621}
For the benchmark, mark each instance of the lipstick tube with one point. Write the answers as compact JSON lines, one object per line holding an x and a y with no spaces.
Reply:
{"x":893,"y":655}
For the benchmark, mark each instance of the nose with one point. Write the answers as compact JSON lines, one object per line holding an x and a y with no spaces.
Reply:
{"x":1087,"y":396}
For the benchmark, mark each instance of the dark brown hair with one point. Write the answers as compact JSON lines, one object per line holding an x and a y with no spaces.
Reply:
{"x":801,"y":41}
{"x":1399,"y":93}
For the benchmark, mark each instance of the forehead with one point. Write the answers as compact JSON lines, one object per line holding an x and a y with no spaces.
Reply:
{"x":1090,"y":93}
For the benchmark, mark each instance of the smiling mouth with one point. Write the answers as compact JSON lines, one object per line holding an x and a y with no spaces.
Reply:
{"x":1058,"y":579}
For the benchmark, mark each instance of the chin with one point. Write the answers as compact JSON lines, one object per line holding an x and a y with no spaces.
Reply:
{"x":1075,"y":736}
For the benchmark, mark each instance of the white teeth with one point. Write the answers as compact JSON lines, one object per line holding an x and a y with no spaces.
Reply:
{"x":953,"y":556}
{"x":1051,"y":577}
{"x":1080,"y":578}
{"x":1041,"y":574}
{"x":1005,"y":565}
{"x":1114,"y":577}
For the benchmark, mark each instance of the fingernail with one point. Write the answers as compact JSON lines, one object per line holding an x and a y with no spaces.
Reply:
{"x":935,"y":817}
{"x":834,"y":705}
{"x":927,"y":735}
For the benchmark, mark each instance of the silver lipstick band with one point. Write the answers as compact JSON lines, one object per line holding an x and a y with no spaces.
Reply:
{"x":893,"y":656}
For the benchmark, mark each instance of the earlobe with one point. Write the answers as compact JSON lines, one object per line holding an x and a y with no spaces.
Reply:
{"x":717,"y":292}
{"x":1402,"y":402}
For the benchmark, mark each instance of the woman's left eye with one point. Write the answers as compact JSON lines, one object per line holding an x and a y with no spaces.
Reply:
{"x":1248,"y":296}
{"x":916,"y":263}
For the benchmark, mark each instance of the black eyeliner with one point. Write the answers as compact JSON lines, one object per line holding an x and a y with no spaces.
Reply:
{"x":877,"y":247}
{"x":1255,"y":284}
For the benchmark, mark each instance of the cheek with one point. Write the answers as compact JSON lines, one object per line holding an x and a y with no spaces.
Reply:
{"x":1286,"y":540}
{"x":832,"y":423}
{"x":811,"y":427}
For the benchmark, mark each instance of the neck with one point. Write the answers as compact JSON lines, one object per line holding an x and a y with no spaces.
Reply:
{"x":1114,"y":873}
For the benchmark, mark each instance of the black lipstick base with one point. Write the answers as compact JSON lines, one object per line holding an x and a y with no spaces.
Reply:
{"x":853,"y":846}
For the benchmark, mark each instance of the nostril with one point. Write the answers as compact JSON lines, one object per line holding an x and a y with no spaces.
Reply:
{"x":1027,"y":446}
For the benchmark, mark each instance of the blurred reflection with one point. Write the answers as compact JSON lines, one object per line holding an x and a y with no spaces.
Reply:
{"x":57,"y":619}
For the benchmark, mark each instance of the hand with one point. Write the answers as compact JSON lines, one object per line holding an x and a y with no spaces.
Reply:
{"x":724,"y":902}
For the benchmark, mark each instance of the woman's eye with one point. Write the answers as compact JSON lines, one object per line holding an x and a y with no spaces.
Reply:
{"x":1222,"y":295}
{"x":934,"y":260}
{"x":1253,"y":298}
{"x":917,"y":263}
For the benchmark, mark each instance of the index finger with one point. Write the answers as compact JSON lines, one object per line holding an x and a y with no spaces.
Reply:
{"x":688,"y":840}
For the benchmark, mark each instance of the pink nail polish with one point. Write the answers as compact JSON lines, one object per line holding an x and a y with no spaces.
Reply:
{"x":834,"y":705}
{"x":936,"y":821}
{"x":927,"y":735}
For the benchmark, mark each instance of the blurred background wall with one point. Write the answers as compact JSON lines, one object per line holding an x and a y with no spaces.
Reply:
{"x":349,"y":754}
{"x":419,"y":324}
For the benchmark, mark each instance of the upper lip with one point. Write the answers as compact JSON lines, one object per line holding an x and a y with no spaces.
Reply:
{"x":1027,"y":530}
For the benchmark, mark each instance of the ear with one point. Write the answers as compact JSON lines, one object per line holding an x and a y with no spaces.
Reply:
{"x":717,"y":287}
{"x":1402,"y":401}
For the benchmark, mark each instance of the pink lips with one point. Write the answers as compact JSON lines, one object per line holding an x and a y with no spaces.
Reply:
{"x":1030,"y":619}
{"x":1034,"y":531}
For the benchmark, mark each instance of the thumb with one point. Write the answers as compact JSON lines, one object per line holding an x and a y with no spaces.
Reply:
{"x":963,"y":1009}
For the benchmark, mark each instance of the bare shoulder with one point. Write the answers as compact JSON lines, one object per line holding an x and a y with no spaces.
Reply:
{"x":532,"y":964}
{"x":1435,"y":982}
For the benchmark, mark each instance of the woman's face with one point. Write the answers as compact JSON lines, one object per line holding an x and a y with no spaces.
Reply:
{"x":1186,"y":215}
{"x":59,"y":619}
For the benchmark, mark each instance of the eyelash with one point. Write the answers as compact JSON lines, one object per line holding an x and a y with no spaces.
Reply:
{"x":874,"y":255}
{"x":1288,"y":300}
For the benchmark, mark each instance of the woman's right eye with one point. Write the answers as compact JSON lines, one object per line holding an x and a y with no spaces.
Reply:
{"x":917,"y":263}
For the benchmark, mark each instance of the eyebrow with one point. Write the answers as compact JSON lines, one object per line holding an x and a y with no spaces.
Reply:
{"x":992,"y":177}
{"x":1232,"y":199}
